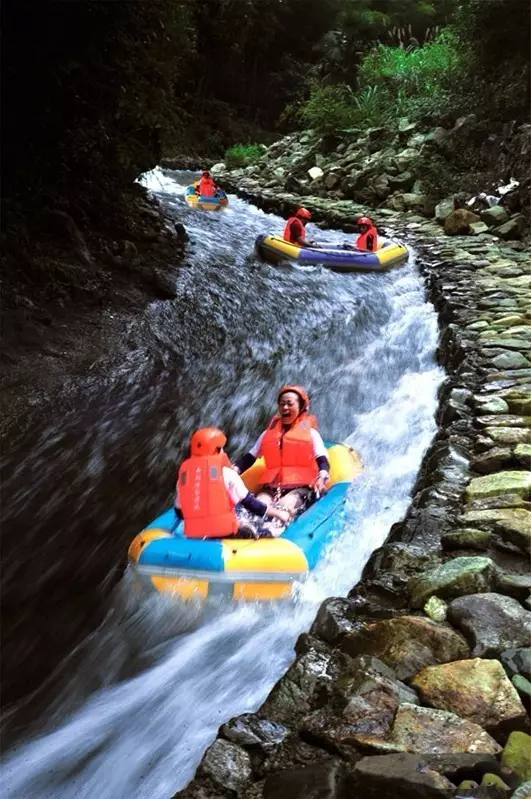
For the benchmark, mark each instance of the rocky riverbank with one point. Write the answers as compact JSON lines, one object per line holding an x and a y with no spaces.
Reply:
{"x":418,"y":684}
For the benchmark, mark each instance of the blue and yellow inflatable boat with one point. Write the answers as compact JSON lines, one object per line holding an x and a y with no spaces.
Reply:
{"x":161,"y":558}
{"x":334,"y":256}
{"x":199,"y":203}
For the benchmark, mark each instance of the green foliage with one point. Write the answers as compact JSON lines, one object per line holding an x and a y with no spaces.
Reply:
{"x":240,"y":155}
{"x":329,"y":108}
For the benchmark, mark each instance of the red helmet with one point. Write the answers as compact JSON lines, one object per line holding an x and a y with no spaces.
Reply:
{"x":301,"y":392}
{"x":364,"y":220}
{"x":303,"y":213}
{"x":207,"y":441}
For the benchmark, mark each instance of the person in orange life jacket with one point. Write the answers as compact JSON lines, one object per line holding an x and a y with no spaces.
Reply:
{"x":206,"y":186}
{"x":296,"y":460}
{"x":208,"y":490}
{"x":368,"y":238}
{"x":294,"y":231}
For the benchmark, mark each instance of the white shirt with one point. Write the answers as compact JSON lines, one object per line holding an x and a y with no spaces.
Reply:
{"x":319,"y":449}
{"x":234,"y":484}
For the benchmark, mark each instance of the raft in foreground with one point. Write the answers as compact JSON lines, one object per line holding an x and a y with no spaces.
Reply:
{"x":200,"y":203}
{"x":334,"y":256}
{"x":161,"y":558}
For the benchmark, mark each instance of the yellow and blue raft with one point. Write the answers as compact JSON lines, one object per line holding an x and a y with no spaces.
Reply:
{"x":334,"y":256}
{"x":199,"y":203}
{"x":161,"y":558}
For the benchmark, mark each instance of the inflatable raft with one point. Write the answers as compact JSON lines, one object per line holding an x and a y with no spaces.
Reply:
{"x":274,"y":249}
{"x":194,"y":200}
{"x":161,"y":558}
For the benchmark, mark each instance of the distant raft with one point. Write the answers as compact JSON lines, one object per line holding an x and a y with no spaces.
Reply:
{"x":162,"y":559}
{"x":199,"y":203}
{"x":334,"y":256}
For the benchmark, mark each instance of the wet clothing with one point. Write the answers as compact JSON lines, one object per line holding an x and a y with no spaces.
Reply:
{"x":368,"y":241}
{"x":294,"y":231}
{"x":207,"y":187}
{"x":206,"y":495}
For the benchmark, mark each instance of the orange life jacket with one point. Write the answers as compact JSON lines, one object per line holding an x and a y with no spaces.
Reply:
{"x":294,"y":230}
{"x":207,"y":187}
{"x":207,"y":509}
{"x":289,"y":454}
{"x":363,"y":244}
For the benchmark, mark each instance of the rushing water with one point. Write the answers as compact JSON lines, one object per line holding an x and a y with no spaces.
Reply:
{"x":143,"y":696}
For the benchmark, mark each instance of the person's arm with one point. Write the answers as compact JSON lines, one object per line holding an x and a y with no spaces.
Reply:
{"x":371,"y":242}
{"x":247,"y":460}
{"x":323,"y":464}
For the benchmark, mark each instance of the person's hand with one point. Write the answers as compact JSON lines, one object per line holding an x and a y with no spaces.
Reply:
{"x":320,"y":485}
{"x":283,"y":515}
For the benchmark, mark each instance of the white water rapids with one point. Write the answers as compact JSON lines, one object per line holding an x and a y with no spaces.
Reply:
{"x":169,"y":675}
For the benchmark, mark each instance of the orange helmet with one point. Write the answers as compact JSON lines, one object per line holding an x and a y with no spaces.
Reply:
{"x":207,"y":441}
{"x":303,"y":213}
{"x":364,"y":220}
{"x":301,"y":393}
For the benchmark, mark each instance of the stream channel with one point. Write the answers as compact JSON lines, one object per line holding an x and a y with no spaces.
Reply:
{"x":134,"y":706}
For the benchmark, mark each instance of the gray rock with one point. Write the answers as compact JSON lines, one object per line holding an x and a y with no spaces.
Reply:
{"x":516,"y":585}
{"x":512,"y":229}
{"x":492,"y":461}
{"x":496,"y":215}
{"x":517,"y":661}
{"x":465,"y":575}
{"x":396,"y":775}
{"x":466,"y":538}
{"x":510,"y":360}
{"x":322,"y":780}
{"x":444,"y":209}
{"x":226,"y":765}
{"x":251,"y":730}
{"x":491,"y":622}
{"x":523,"y":791}
{"x":332,"y":622}
{"x":476,"y":228}
{"x":401,"y":182}
{"x":406,"y":643}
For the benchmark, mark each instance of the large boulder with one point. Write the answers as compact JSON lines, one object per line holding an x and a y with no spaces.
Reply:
{"x":477,"y":690}
{"x":406,"y":643}
{"x":465,"y":575}
{"x":404,"y":774}
{"x":458,"y":222}
{"x":491,"y":622}
{"x":424,"y":729}
{"x":226,"y":765}
{"x":322,"y":780}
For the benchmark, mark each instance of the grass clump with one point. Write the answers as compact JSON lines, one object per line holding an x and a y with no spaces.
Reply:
{"x":240,"y":155}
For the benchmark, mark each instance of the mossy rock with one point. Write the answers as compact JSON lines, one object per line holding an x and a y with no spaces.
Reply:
{"x":517,"y":754}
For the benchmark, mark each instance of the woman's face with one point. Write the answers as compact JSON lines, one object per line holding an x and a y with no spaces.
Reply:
{"x":288,"y":407}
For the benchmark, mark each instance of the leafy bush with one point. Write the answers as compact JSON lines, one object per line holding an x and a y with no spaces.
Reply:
{"x":329,"y":108}
{"x":242,"y":155}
